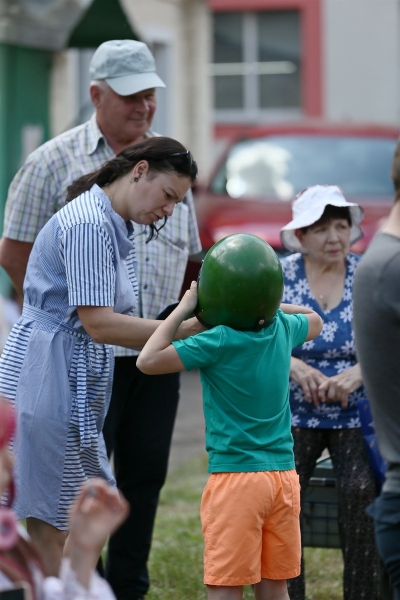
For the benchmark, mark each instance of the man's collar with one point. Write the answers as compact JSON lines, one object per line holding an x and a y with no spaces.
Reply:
{"x":94,"y":135}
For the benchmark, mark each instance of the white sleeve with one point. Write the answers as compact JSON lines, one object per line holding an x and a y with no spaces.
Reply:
{"x":5,"y":583}
{"x":66,"y":587}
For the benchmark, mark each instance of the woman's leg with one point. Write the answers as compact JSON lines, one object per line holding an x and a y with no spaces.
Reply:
{"x":357,"y":489}
{"x":271,"y":589}
{"x":50,"y":543}
{"x":222,"y":592}
{"x":308,"y":447}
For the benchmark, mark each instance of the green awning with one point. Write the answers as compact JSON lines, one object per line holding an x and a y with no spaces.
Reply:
{"x":104,"y":20}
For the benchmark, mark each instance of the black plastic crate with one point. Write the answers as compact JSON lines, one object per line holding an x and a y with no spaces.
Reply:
{"x":319,"y":517}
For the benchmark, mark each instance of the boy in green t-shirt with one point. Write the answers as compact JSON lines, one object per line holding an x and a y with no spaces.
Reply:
{"x":250,"y":505}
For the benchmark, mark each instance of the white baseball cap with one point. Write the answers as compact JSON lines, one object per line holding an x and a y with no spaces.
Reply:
{"x":309,"y":207}
{"x":127,"y":66}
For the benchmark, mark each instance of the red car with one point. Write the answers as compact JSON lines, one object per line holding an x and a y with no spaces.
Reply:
{"x":263,"y":168}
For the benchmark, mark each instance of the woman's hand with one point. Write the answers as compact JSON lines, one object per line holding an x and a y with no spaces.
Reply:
{"x":308,"y":378}
{"x":97,"y":512}
{"x":339,"y":387}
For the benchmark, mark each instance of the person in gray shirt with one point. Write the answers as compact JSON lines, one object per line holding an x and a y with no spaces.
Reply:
{"x":376,"y":298}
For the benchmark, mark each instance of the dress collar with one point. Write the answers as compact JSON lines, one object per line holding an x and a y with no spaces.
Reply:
{"x":126,"y":226}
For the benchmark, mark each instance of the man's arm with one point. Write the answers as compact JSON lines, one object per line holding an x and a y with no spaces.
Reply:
{"x":33,"y":197}
{"x":14,"y":257}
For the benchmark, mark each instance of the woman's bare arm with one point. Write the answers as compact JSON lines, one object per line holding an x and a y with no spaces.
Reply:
{"x":107,"y":327}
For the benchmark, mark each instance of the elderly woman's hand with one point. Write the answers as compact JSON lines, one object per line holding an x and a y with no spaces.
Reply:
{"x":308,"y":378}
{"x":339,"y":387}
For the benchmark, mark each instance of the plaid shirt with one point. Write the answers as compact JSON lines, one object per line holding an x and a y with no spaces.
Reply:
{"x":39,"y":189}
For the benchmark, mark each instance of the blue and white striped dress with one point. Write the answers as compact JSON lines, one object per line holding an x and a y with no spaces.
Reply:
{"x":58,"y":378}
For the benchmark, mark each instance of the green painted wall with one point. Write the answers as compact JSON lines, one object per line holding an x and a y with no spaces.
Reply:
{"x":25,"y":90}
{"x":24,"y":102}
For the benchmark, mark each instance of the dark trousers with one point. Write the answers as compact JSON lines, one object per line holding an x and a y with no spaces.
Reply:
{"x":386,"y":514}
{"x":138,"y":430}
{"x":357,"y":489}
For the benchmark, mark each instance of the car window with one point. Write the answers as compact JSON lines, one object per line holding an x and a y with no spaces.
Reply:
{"x":278,"y":167}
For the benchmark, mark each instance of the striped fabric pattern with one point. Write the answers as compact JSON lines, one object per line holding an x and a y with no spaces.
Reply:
{"x":51,"y":368}
{"x":12,"y":356}
{"x":38,"y":191}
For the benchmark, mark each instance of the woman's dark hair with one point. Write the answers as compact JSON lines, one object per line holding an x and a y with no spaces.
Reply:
{"x":163,"y":154}
{"x":331,"y":212}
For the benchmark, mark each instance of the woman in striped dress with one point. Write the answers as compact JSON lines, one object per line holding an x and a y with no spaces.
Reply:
{"x":80,"y":291}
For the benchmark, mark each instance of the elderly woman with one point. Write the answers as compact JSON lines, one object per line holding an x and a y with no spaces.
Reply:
{"x":325,"y":377}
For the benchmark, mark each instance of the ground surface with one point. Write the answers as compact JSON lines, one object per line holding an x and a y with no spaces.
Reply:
{"x":188,"y":438}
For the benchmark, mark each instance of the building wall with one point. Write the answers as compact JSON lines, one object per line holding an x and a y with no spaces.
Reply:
{"x":181,"y":31}
{"x":350,"y":54}
{"x":351,"y":64}
{"x":361,"y":60}
{"x":179,"y":34}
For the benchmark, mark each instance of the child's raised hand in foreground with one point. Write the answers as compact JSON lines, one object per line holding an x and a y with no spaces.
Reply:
{"x":96,"y":513}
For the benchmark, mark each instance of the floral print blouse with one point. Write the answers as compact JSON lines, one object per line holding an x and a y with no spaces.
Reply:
{"x":332,"y":352}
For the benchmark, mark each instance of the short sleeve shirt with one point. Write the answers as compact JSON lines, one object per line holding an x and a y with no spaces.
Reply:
{"x":245,"y":379}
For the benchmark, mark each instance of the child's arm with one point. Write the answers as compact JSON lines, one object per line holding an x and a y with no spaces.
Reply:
{"x":315,"y":323}
{"x":158,"y":355}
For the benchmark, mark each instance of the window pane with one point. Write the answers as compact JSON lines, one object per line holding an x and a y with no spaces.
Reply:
{"x":279,"y":59}
{"x":228,"y":87}
{"x":280,"y":166}
{"x":279,"y":91}
{"x":228,"y":91}
{"x":227,"y":37}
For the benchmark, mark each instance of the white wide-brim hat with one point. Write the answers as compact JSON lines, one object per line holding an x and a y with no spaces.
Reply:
{"x":309,"y":207}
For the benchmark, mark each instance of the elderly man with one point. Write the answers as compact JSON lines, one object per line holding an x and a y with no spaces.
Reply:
{"x":140,"y":421}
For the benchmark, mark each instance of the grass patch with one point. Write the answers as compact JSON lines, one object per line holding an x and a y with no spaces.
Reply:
{"x":324,"y":570}
{"x":176,"y":560}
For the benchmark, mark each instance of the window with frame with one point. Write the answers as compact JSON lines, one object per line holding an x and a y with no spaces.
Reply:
{"x":256,"y":62}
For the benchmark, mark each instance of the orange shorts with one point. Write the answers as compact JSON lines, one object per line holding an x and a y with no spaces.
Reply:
{"x":251,"y":527}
